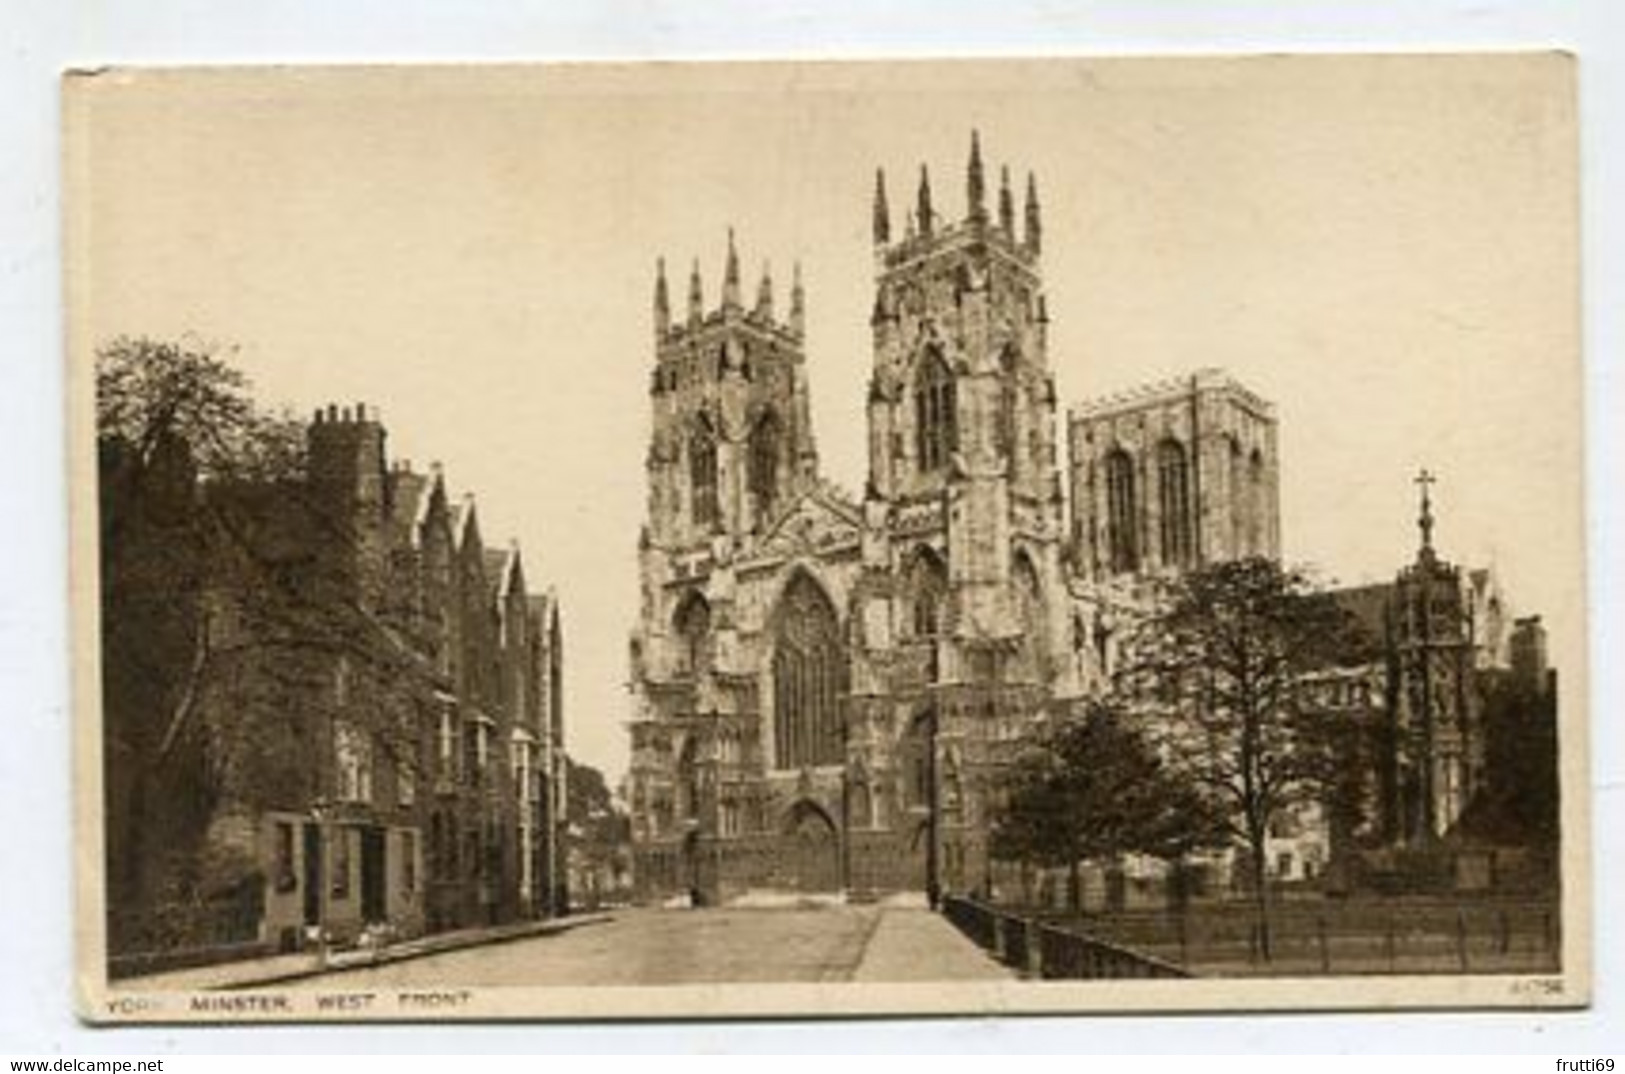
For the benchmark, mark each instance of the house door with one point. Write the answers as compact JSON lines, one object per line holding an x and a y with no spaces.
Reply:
{"x":373,"y":876}
{"x":313,"y":874}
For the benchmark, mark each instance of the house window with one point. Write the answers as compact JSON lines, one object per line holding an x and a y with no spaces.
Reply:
{"x":1122,"y":512}
{"x":406,"y":782}
{"x":354,"y":762}
{"x":448,"y":745}
{"x":341,"y":863}
{"x":936,"y":417}
{"x":521,"y":772}
{"x":286,"y":878}
{"x":409,"y":861}
{"x":1174,"y":496}
{"x":702,"y":476}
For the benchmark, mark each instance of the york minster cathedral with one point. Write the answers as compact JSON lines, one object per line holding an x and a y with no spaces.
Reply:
{"x":825,"y":685}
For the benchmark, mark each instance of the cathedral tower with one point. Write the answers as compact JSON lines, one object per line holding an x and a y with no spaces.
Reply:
{"x":962,"y":412}
{"x":732,"y":441}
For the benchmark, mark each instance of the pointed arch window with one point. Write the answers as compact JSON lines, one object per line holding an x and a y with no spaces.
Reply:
{"x":1174,"y":498}
{"x":766,"y":442}
{"x":693,"y":624}
{"x":1122,"y":512}
{"x":1255,"y":503}
{"x":1238,"y":500}
{"x":936,"y":417}
{"x":926,"y":604}
{"x":702,"y":476}
{"x":809,"y":676}
{"x":1008,"y":401}
{"x":927,"y":586}
{"x":688,"y":781}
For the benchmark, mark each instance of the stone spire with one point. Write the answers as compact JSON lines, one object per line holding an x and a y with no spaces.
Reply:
{"x":696,"y":299}
{"x":730,"y":276}
{"x":882,"y":217}
{"x":662,"y":301}
{"x":798,"y":303}
{"x":1007,"y":204}
{"x":923,"y":213}
{"x":975,"y":186}
{"x":764,"y":293}
{"x":1035,"y":231}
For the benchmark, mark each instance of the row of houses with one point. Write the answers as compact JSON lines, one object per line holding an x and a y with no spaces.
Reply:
{"x":331,"y":711}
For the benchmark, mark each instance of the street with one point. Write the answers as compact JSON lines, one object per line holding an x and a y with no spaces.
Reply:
{"x":654,"y":947}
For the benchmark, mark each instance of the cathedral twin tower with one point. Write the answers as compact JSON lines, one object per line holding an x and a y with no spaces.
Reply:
{"x":825,"y":687}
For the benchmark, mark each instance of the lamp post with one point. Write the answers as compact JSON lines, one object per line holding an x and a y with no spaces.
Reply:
{"x":321,"y":882}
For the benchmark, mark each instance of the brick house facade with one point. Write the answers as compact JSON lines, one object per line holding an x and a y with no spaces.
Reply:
{"x":328,"y":707}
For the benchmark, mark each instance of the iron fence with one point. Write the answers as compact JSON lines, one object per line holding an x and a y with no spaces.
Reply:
{"x":1048,"y":951}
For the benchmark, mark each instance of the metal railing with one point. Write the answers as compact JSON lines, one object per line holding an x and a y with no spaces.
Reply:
{"x":1046,"y":951}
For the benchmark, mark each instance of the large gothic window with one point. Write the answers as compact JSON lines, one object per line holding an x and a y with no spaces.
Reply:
{"x":1122,"y":512}
{"x":809,"y":675}
{"x":763,"y":473}
{"x":1174,"y":496}
{"x":936,"y":417}
{"x":693,"y":624}
{"x":702,"y":477}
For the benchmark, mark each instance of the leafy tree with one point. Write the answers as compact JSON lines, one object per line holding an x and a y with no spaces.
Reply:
{"x":1092,"y":787}
{"x":1223,"y":669}
{"x":599,"y":831}
{"x":153,"y":393}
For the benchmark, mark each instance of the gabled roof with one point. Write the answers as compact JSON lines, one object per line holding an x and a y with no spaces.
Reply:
{"x":463,"y":520}
{"x":409,"y":493}
{"x":823,"y":498}
{"x":495,"y":561}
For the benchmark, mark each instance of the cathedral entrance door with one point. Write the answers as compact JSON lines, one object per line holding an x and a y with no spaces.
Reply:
{"x":810,"y":855}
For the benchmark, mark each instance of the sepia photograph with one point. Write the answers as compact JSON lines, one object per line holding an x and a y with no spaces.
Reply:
{"x":823,"y":538}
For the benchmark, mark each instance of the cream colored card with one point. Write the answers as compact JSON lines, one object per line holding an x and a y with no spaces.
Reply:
{"x":606,"y":540}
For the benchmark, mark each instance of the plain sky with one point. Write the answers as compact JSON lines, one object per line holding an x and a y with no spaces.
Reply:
{"x":1386,"y":248}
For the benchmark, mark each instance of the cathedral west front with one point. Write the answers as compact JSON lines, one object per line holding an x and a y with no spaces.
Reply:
{"x":826,"y":685}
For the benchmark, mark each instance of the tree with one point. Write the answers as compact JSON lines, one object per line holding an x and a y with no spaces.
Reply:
{"x":1092,"y":787}
{"x":153,"y":393}
{"x":599,"y":834}
{"x":1223,"y":670}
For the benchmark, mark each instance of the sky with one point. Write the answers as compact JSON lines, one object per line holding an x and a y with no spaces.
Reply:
{"x":1386,"y":248}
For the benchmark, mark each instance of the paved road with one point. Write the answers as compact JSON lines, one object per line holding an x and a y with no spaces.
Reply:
{"x":652,"y":947}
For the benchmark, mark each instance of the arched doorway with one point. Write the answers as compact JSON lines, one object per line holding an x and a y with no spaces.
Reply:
{"x":810,"y":853}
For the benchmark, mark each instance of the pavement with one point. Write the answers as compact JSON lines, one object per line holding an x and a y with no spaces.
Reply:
{"x":283,"y":969}
{"x":914,"y":944}
{"x":741,"y":945}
